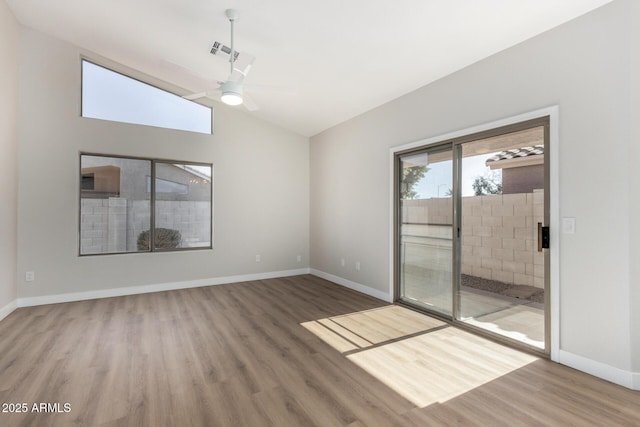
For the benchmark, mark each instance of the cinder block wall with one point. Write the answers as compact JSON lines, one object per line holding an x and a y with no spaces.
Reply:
{"x":499,"y":233}
{"x":114,"y":224}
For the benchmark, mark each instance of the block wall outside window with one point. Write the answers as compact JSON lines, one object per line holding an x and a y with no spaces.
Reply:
{"x":117,"y":208}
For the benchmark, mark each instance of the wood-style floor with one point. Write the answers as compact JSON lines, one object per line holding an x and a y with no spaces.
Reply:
{"x":296,"y":351}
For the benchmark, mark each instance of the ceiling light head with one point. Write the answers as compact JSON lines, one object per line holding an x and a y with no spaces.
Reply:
{"x":231,"y":93}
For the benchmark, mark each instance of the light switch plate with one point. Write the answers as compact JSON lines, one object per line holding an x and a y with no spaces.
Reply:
{"x":568,"y":225}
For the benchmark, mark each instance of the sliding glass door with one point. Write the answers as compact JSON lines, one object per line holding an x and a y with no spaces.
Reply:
{"x":501,"y":286}
{"x":472,"y":217}
{"x":426,"y":229}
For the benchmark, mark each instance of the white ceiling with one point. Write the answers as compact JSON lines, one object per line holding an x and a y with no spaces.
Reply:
{"x":334,"y":59}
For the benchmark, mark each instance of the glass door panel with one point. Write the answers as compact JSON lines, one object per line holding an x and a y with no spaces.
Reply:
{"x":501,"y":285}
{"x":426,"y":229}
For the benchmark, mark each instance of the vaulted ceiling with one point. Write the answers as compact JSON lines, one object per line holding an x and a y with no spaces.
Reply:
{"x":318,"y":63}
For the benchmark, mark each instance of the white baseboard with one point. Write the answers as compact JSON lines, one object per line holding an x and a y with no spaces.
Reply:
{"x":353,"y":285}
{"x":601,"y":370}
{"x":132,"y":290}
{"x":8,"y":309}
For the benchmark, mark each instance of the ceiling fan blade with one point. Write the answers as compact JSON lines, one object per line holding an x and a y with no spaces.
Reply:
{"x":242,"y":62}
{"x":193,"y":96}
{"x":244,"y":65}
{"x":211,"y":94}
{"x":249,"y":103}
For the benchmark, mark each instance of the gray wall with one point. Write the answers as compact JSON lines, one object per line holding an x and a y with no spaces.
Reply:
{"x":634,"y":193}
{"x":261,"y":185}
{"x":582,"y":66}
{"x":9,"y":36}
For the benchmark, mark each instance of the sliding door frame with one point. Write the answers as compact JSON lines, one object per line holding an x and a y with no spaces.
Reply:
{"x":548,"y":118}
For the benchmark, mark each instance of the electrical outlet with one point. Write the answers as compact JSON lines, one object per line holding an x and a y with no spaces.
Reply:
{"x":299,"y":258}
{"x":357,"y":265}
{"x":342,"y":262}
{"x":30,"y":276}
{"x":257,"y":258}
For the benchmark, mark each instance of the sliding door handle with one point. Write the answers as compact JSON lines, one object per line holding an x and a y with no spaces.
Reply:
{"x":543,"y":237}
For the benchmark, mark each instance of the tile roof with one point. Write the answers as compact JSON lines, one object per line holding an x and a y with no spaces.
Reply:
{"x":536,"y":150}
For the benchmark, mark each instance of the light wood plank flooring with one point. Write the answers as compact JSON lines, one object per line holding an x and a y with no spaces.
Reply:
{"x":296,"y":351}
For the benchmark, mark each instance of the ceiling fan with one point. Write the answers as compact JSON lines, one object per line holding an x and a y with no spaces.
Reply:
{"x":231,"y":90}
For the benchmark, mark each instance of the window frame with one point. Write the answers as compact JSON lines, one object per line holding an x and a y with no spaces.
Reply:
{"x":152,"y":204}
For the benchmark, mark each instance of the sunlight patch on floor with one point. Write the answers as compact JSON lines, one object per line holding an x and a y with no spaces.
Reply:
{"x":370,"y":327}
{"x":421,"y":358}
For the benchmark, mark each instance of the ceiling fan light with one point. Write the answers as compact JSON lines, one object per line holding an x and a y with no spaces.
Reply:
{"x":231,"y":99}
{"x":231,"y":93}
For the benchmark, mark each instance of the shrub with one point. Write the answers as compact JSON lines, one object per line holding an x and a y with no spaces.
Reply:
{"x":165,"y":238}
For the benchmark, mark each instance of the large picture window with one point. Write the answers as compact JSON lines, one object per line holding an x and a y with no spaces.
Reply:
{"x":143,"y":205}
